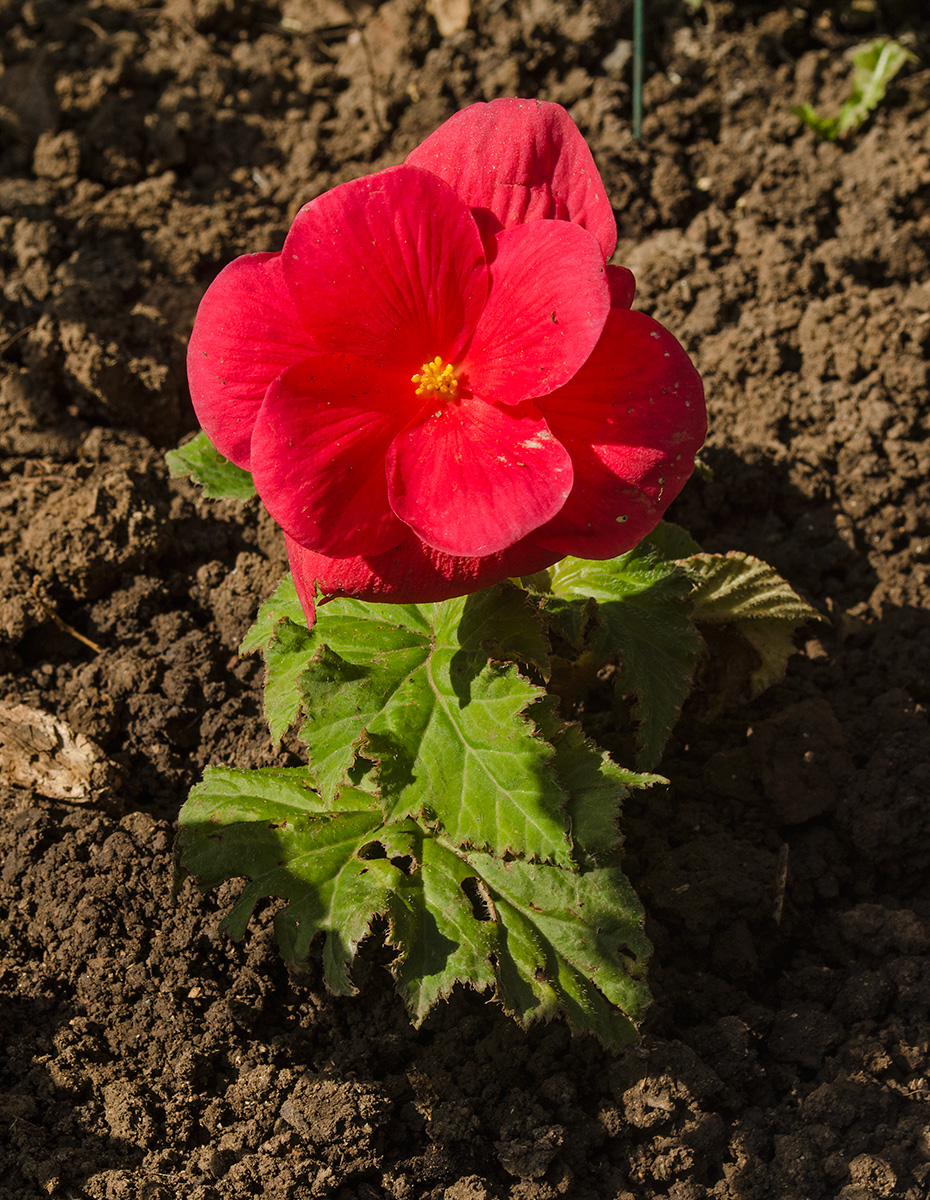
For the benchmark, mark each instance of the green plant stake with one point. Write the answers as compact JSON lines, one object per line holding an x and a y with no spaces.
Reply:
{"x":638,"y":69}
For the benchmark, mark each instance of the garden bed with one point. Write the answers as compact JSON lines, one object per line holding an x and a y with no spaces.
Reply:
{"x":787,"y":1052}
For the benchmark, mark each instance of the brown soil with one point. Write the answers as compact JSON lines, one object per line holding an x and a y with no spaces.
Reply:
{"x":787,"y":1054}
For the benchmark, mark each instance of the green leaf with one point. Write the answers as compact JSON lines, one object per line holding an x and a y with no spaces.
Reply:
{"x":355,"y":658}
{"x":282,"y":605}
{"x":824,"y":127}
{"x":571,"y":617}
{"x":571,"y":943}
{"x":286,"y":656}
{"x":281,"y":632}
{"x":270,"y":827}
{"x":596,"y":787}
{"x":643,"y":615}
{"x":435,"y":697}
{"x":874,"y":67}
{"x":747,"y":594}
{"x":736,"y":586}
{"x":544,"y":940}
{"x":219,"y":478}
{"x":340,"y":699}
{"x":435,"y":925}
{"x":672,"y":542}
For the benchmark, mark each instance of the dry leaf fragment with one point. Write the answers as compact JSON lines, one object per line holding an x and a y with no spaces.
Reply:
{"x":41,"y":752}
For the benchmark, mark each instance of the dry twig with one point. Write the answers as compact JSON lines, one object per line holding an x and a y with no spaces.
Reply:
{"x":62,"y":624}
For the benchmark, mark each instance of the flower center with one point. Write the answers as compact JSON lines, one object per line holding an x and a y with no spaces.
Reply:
{"x":434,"y":377}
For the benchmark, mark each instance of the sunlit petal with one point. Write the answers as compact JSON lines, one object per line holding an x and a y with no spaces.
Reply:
{"x":246,"y":333}
{"x":474,"y":478}
{"x":515,"y":161}
{"x":318,"y":454}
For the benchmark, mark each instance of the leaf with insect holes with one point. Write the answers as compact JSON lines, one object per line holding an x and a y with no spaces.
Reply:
{"x":748,"y":595}
{"x":219,"y":478}
{"x":641,"y":614}
{"x":567,"y":943}
{"x":543,"y":940}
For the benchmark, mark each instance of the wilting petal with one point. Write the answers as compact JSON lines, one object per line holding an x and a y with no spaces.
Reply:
{"x":548,"y":303}
{"x":473,"y":478}
{"x":632,"y":419}
{"x":622,"y":283}
{"x":246,"y":333}
{"x":515,"y":161}
{"x":411,"y":573}
{"x":389,"y":267}
{"x":318,"y":454}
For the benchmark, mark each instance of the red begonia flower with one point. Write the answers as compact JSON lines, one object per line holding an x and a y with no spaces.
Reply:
{"x":437,"y":384}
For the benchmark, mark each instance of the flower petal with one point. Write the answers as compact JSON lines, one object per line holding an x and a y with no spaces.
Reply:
{"x":318,"y":454}
{"x":411,"y":573}
{"x":515,"y":161}
{"x":389,"y":267}
{"x":548,"y":304}
{"x":246,"y":333}
{"x":473,"y":478}
{"x":622,"y":283}
{"x":632,"y":419}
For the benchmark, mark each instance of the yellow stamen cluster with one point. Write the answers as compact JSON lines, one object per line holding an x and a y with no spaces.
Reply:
{"x":434,"y":377}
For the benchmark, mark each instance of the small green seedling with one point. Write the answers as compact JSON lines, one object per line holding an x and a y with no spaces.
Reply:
{"x":874,"y":67}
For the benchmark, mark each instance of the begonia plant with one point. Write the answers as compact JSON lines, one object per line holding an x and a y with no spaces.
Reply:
{"x":439,"y":390}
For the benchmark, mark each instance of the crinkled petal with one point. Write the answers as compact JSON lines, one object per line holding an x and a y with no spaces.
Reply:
{"x":246,"y":333}
{"x":318,"y":453}
{"x":515,"y":161}
{"x":632,"y":419}
{"x":389,"y":267}
{"x":411,"y":573}
{"x":473,"y":478}
{"x":548,"y":304}
{"x":622,"y":283}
